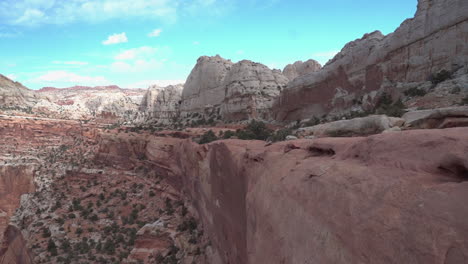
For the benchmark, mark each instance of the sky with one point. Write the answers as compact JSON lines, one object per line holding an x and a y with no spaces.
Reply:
{"x":136,"y":43}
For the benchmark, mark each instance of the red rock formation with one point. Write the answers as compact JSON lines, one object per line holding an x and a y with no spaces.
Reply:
{"x":14,"y":181}
{"x":13,"y":249}
{"x":435,"y":39}
{"x":389,"y":198}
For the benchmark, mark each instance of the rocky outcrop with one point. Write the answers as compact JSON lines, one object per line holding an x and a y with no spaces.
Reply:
{"x":432,"y":41}
{"x":299,"y":68}
{"x":14,"y":96}
{"x":204,"y":87}
{"x":162,"y":104}
{"x":293,"y":202}
{"x":437,"y":118}
{"x":362,"y":126}
{"x":250,"y":89}
{"x":234,"y":91}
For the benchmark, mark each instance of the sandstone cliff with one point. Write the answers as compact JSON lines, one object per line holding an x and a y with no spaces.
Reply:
{"x":162,"y":104}
{"x":432,"y":41}
{"x":219,"y":88}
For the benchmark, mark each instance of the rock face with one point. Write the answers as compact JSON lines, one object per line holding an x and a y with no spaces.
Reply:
{"x":299,"y":68}
{"x":234,"y":91}
{"x":250,"y":89}
{"x":432,"y":41}
{"x":294,"y":202}
{"x":162,"y":104}
{"x":204,"y":87}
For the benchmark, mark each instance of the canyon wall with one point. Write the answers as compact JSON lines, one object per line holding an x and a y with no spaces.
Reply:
{"x":434,"y":40}
{"x":329,"y":200}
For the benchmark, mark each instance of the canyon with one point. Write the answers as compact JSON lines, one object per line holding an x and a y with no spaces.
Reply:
{"x":363,"y":160}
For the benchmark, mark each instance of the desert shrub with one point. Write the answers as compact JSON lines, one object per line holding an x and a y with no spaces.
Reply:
{"x":169,"y":208}
{"x":208,"y":137}
{"x":441,"y":76}
{"x":45,"y":232}
{"x":254,"y":130}
{"x":52,"y":248}
{"x":280,"y":135}
{"x":464,"y":101}
{"x":455,"y":90}
{"x":415,"y":92}
{"x":386,"y":106}
{"x":312,"y":122}
{"x":229,"y":134}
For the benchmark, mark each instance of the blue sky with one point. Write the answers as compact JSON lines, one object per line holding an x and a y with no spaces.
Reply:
{"x":134,"y":43}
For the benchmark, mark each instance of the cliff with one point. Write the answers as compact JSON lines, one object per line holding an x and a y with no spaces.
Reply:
{"x":433,"y":41}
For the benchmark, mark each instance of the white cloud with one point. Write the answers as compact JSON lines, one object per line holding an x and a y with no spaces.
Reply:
{"x":240,"y":52}
{"x":53,"y":77}
{"x":37,"y":12}
{"x":160,"y":83}
{"x":116,"y":39}
{"x":137,"y":66}
{"x":155,"y":33}
{"x":196,"y":43}
{"x":140,"y":60}
{"x":40,"y":12}
{"x":79,"y":63}
{"x":30,"y":17}
{"x":141,"y":52}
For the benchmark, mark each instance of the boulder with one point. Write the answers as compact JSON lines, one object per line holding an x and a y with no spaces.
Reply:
{"x":354,"y":127}
{"x":291,"y":137}
{"x":437,"y":118}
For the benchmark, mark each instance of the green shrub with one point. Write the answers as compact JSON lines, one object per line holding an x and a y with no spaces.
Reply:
{"x":254,"y":130}
{"x":441,"y":76}
{"x":386,"y":106}
{"x":415,"y":92}
{"x":208,"y":137}
{"x":281,"y":134}
{"x":229,"y":134}
{"x":52,"y":248}
{"x":464,"y":101}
